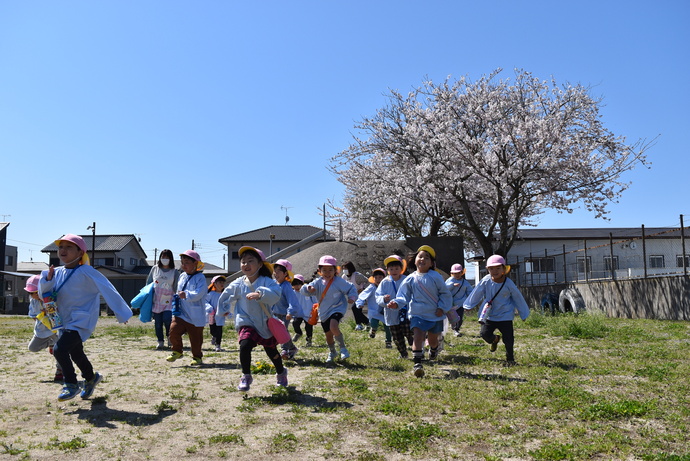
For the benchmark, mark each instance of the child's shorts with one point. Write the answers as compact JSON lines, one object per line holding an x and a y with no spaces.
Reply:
{"x":326,"y":325}
{"x":426,"y":325}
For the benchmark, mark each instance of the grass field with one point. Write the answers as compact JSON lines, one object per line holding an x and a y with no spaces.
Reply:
{"x":585,"y":387}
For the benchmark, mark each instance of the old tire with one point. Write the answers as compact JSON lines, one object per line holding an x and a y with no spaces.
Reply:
{"x":549,"y":304}
{"x":570,"y":300}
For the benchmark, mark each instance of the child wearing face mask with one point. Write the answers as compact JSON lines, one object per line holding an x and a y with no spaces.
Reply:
{"x":164,"y":276}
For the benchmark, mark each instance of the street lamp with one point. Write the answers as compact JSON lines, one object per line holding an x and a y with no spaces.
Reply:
{"x":93,"y":242}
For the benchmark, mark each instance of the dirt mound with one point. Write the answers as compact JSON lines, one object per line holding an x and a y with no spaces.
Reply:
{"x":366,"y":255}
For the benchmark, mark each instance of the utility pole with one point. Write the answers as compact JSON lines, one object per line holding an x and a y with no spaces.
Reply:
{"x":93,"y":242}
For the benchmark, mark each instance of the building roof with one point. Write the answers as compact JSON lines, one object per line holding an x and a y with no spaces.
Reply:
{"x":32,"y":266}
{"x":3,"y":225}
{"x":109,"y":243}
{"x":596,"y":233}
{"x":282,"y":234}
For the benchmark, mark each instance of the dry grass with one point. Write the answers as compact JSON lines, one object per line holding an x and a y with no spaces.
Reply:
{"x":584,"y":388}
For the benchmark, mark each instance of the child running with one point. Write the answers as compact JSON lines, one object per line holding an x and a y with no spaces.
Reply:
{"x":374,"y":311}
{"x":288,"y":306}
{"x":395,"y":318}
{"x":503,"y":298}
{"x":306,"y":303}
{"x":334,"y":293}
{"x":215,"y":320}
{"x":253,"y":294}
{"x":76,"y":288}
{"x":189,"y":309}
{"x":459,"y":289}
{"x":43,"y":336}
{"x":428,"y":299}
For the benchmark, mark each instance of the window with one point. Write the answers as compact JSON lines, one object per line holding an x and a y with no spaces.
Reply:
{"x":54,"y":262}
{"x":235,"y":255}
{"x":120,"y":262}
{"x":9,"y":260}
{"x":656,"y":261}
{"x":607,"y":263}
{"x":104,"y":262}
{"x":543,"y":264}
{"x":133,"y":261}
{"x":581,"y":264}
{"x":679,"y":261}
{"x":8,"y":285}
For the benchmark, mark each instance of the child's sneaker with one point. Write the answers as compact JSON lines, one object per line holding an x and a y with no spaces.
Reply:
{"x":58,"y":378}
{"x":330,"y":357}
{"x":281,"y":379}
{"x":389,"y":345}
{"x":284,"y":354}
{"x":308,"y":343}
{"x":418,"y":370}
{"x":160,"y":346}
{"x":296,"y":337}
{"x":69,"y":391}
{"x":494,"y":345}
{"x":359,"y":327}
{"x":245,"y":382}
{"x":433,"y":353}
{"x":213,"y":341}
{"x":372,"y":334}
{"x":344,"y":353}
{"x":217,"y":348}
{"x":197,"y":361}
{"x":89,"y":386}
{"x":291,"y":353}
{"x":174,"y":356}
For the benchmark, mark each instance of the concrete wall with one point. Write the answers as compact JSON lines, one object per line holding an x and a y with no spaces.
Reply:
{"x":665,"y":298}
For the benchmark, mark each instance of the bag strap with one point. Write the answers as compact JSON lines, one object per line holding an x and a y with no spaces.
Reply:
{"x":433,"y":298}
{"x":55,"y":291}
{"x":328,"y":285}
{"x":499,"y":290}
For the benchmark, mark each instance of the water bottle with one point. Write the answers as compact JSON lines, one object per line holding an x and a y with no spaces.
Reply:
{"x":484,"y":313}
{"x":176,"y":311}
{"x":51,"y":312}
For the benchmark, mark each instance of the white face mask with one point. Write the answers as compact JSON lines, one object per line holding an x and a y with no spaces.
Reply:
{"x":165,"y":261}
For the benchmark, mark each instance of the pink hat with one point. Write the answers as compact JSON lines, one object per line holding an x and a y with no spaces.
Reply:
{"x":259,"y":252}
{"x":192,"y":254}
{"x":328,"y":260}
{"x":299,"y":277}
{"x":285,"y":263}
{"x":218,"y":277}
{"x":456,"y":268}
{"x":32,"y":283}
{"x":78,"y":241}
{"x":495,"y":260}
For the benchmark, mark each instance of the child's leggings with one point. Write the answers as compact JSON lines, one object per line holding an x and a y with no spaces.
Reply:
{"x":297,"y":325}
{"x":375,"y":326}
{"x":216,"y":331}
{"x":70,"y":348}
{"x":506,"y":330}
{"x":402,"y":336}
{"x":246,"y":346}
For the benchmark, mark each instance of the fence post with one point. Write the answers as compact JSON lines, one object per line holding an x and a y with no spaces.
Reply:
{"x":586,"y":268}
{"x":565,"y":264}
{"x":644,"y":252}
{"x":531,"y":274}
{"x":682,"y":243}
{"x":613,"y":272}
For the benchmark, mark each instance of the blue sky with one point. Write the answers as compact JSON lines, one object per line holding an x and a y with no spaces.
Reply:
{"x":181,"y":121}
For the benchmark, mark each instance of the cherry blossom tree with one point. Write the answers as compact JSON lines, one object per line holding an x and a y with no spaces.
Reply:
{"x":480,"y":159}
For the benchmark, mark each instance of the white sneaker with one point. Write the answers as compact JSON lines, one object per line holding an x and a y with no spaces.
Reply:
{"x":217,"y":348}
{"x":330,"y":357}
{"x":359,"y":327}
{"x":344,"y":353}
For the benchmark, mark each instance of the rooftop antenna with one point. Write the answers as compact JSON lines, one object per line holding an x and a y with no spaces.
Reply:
{"x":287,"y":218}
{"x":5,"y":216}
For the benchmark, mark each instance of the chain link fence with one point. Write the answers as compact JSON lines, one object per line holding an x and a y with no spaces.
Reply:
{"x":659,"y":253}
